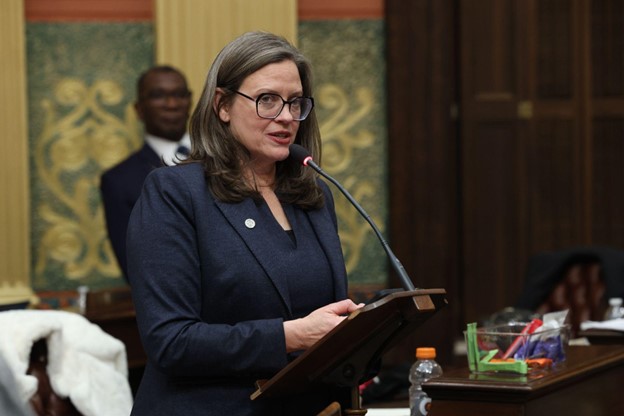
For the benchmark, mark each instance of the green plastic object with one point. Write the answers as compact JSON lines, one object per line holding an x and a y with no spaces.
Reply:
{"x":484,"y":364}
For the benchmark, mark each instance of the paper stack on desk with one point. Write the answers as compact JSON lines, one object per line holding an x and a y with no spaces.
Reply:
{"x":611,"y":325}
{"x":389,"y":412}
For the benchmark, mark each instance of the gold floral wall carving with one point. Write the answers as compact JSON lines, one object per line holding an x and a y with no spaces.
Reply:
{"x":80,"y":138}
{"x":77,"y":145}
{"x":342,"y":136}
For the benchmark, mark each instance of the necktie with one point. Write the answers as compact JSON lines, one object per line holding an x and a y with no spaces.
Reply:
{"x":183,"y":150}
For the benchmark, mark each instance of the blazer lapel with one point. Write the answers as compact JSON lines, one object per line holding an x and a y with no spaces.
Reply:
{"x":254,"y":231}
{"x":149,"y":157}
{"x":329,"y":240}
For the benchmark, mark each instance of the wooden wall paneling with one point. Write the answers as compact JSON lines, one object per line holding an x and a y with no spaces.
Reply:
{"x":555,"y":48}
{"x":492,"y":209}
{"x":422,"y":160}
{"x":128,"y":10}
{"x":555,"y":186}
{"x":539,"y":156}
{"x":608,"y":181}
{"x":607,"y":45}
{"x":343,"y":9}
{"x":494,"y":91}
{"x":556,"y":163}
{"x":606,"y":108}
{"x":88,"y":10}
{"x":565,"y":81}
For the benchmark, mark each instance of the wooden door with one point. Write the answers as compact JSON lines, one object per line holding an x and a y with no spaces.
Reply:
{"x":604,"y":113}
{"x":537,"y":161}
{"x":494,"y":89}
{"x":522,"y":141}
{"x":423,"y":160}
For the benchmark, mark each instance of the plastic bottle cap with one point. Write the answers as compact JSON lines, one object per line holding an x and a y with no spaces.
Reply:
{"x":427,"y":353}
{"x":615,"y":301}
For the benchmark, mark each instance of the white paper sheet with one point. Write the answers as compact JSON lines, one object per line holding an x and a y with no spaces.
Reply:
{"x":613,"y":325}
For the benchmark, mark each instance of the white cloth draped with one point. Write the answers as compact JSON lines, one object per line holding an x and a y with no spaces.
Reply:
{"x":84,"y":363}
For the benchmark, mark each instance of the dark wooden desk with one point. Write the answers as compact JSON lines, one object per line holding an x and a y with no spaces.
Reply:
{"x":113,"y":311}
{"x":602,"y":336}
{"x":123,"y":326}
{"x":589,"y":383}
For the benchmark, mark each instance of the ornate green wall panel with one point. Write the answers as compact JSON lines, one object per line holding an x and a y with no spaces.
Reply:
{"x":349,"y":67}
{"x":81,"y":85}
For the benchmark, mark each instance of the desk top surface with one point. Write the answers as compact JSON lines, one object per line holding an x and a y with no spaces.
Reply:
{"x":581,"y":362}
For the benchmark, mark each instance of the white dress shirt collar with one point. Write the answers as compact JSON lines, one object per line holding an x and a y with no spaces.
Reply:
{"x":168,"y":150}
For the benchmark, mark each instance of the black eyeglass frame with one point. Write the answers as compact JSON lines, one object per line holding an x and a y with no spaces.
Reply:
{"x":284,"y":102}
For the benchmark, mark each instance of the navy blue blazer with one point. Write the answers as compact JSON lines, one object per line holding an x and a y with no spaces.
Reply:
{"x":211,"y":297}
{"x":120,"y":187}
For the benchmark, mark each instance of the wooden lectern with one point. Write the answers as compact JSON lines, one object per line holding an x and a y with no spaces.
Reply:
{"x":344,"y":356}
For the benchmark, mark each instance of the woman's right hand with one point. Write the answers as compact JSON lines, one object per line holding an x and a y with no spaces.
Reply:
{"x":302,"y":333}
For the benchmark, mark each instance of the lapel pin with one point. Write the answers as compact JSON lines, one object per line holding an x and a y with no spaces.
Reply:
{"x":249,"y":223}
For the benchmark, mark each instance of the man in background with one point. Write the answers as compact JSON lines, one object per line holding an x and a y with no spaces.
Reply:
{"x":163,"y":105}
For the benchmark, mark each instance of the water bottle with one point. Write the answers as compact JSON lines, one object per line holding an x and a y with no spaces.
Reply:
{"x":615,"y":309}
{"x":83,"y":291}
{"x":423,"y":369}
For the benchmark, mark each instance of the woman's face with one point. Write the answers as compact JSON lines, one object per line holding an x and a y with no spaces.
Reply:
{"x":267,"y":140}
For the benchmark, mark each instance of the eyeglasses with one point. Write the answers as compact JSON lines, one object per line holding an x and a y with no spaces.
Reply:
{"x":270,"y":106}
{"x":162,"y":95}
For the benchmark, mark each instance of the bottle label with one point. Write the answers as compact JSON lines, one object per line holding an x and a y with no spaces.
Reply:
{"x":422,"y":406}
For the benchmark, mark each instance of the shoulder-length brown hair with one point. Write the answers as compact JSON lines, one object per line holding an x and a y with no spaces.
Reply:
{"x":216,"y":147}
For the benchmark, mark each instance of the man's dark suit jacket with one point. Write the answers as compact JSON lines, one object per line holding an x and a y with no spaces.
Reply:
{"x":120,"y":188}
{"x":211,"y":296}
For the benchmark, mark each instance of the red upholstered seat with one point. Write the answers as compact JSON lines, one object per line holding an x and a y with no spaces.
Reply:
{"x":46,"y":402}
{"x":581,"y":290}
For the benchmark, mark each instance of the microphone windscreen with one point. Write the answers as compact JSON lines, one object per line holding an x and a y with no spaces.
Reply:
{"x":298,"y":153}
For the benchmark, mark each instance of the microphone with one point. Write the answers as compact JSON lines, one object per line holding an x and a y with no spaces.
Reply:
{"x":301,"y":155}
